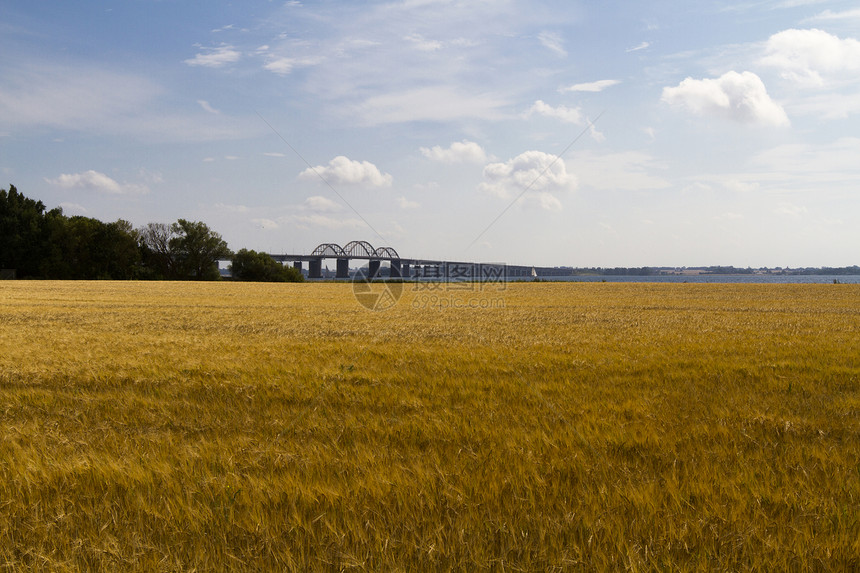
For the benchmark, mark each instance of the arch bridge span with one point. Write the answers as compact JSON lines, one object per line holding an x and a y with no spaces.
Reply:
{"x":343,"y":254}
{"x":400,"y":267}
{"x":355,"y":250}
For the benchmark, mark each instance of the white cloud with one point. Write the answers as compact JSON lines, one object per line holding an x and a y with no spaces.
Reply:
{"x":69,"y":96}
{"x":206,"y":107}
{"x":267,"y":224}
{"x":833,"y":162}
{"x":741,"y":97}
{"x":806,"y":56}
{"x":458,"y":152}
{"x":597,"y":86}
{"x":96,"y":181}
{"x":370,"y":71}
{"x":626,"y":170}
{"x":845,"y":15}
{"x":423,"y":45}
{"x":317,"y":220}
{"x":552,"y":42}
{"x":790,"y":209}
{"x":154,"y":177}
{"x":828,"y":105}
{"x":794,"y":168}
{"x":320,"y":203}
{"x":641,"y":46}
{"x":72,"y":96}
{"x":424,"y":104}
{"x":288,"y":56}
{"x":534,"y":174}
{"x":231,"y":208}
{"x":274,"y":154}
{"x":405,"y":203}
{"x":344,"y":171}
{"x":281,"y":66}
{"x":565,"y":114}
{"x":215,"y":57}
{"x":594,"y":133}
{"x":740,"y":186}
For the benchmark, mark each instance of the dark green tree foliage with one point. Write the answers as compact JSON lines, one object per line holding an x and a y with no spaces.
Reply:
{"x":196,"y":250}
{"x":22,"y":232}
{"x":86,"y":248}
{"x":253,"y":266}
{"x":40,"y":244}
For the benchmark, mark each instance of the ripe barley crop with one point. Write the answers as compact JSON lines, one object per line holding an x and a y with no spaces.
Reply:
{"x":180,"y":426}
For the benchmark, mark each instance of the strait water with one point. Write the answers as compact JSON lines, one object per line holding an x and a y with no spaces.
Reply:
{"x":760,"y":279}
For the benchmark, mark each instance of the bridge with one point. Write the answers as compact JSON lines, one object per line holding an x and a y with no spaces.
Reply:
{"x":407,"y":268}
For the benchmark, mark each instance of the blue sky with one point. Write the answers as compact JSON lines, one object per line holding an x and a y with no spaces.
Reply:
{"x":549,"y":133}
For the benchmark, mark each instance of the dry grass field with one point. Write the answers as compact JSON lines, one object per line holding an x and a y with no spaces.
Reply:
{"x":544,"y":427}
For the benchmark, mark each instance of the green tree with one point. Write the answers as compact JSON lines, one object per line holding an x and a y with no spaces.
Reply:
{"x":124,"y":257}
{"x":196,"y":250}
{"x":159,"y":260}
{"x":22,"y":233}
{"x":253,"y":266}
{"x":86,"y":248}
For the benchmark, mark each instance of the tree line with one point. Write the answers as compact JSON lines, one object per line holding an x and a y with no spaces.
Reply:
{"x":39,"y":243}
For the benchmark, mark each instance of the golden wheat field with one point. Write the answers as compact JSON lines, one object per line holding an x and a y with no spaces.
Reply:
{"x":535,"y":427}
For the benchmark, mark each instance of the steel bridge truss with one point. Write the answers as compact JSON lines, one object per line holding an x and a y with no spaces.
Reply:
{"x":355,"y":250}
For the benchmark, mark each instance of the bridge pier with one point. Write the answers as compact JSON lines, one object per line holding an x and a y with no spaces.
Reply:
{"x":405,"y":270}
{"x":298,"y":266}
{"x":315,"y":269}
{"x":342,"y":269}
{"x":373,"y":268}
{"x":395,"y":269}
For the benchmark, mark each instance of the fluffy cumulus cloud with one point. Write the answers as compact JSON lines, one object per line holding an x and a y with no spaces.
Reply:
{"x":95,"y":181}
{"x":344,"y":171}
{"x":810,"y":56}
{"x":563,"y":113}
{"x":215,"y":57}
{"x":738,"y":96}
{"x":534,"y":175}
{"x":458,"y":152}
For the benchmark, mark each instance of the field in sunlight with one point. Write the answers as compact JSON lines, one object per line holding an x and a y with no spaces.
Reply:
{"x":540,"y":426}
